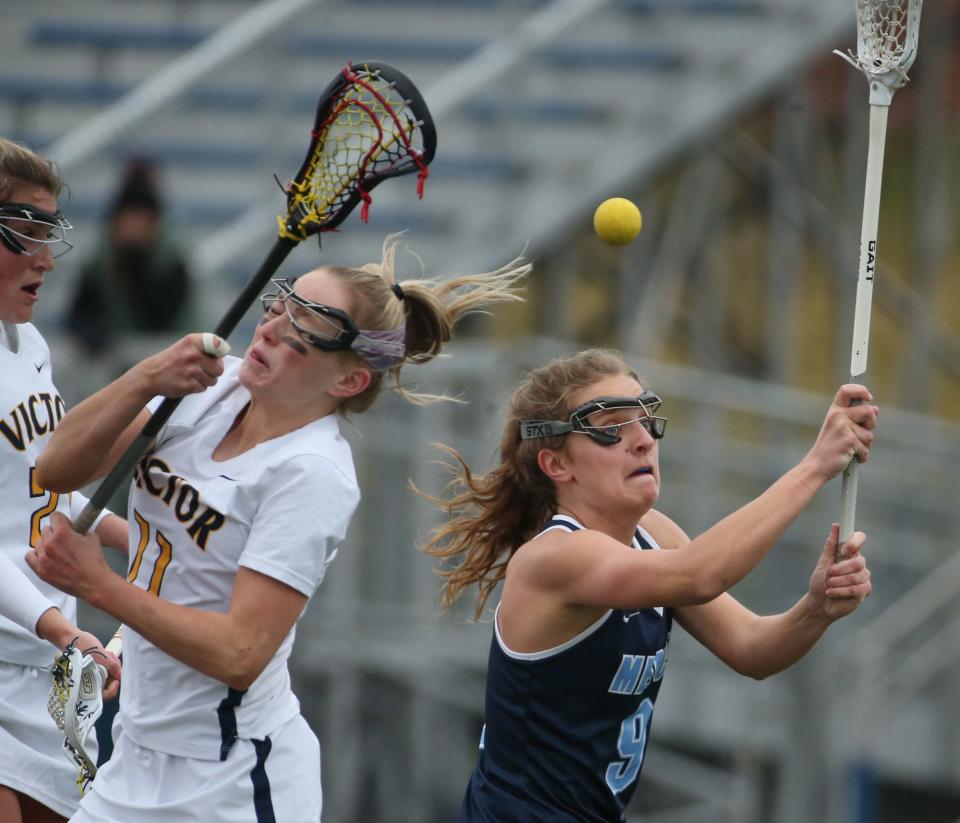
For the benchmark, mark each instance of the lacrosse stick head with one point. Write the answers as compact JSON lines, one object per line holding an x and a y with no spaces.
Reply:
{"x":887,"y":32}
{"x":75,"y":702}
{"x":371,"y":124}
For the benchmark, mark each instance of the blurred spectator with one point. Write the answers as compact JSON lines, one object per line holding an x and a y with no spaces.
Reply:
{"x":137,"y":281}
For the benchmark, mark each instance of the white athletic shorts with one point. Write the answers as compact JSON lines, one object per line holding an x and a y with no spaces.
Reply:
{"x":32,"y":759}
{"x":274,"y":780}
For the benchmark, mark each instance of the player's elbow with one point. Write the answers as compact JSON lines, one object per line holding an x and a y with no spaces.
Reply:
{"x":241,"y":677}
{"x":747,"y":667}
{"x":754,"y":670}
{"x":759,"y":675}
{"x":50,"y":477}
{"x":240,"y":682}
{"x":241,"y":666}
{"x":701,"y":585}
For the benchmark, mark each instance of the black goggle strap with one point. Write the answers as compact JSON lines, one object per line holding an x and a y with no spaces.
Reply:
{"x":648,"y":401}
{"x":24,"y":211}
{"x":531,"y":429}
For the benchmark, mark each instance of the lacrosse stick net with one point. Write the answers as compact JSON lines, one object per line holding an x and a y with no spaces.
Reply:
{"x":369,"y":133}
{"x":887,"y":33}
{"x":75,"y":702}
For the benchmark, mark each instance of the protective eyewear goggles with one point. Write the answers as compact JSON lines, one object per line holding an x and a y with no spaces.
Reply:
{"x":330,"y":329}
{"x":25,"y":229}
{"x":602,"y":419}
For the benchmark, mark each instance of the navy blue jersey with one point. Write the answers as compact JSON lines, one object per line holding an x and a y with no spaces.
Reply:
{"x":566,"y":729}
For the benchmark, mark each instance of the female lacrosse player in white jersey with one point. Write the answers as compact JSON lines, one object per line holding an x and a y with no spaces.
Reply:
{"x":234,"y":516}
{"x":37,"y":783}
{"x":580,"y":642}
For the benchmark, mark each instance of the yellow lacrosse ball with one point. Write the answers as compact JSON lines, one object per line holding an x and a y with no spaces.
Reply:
{"x":617,"y":221}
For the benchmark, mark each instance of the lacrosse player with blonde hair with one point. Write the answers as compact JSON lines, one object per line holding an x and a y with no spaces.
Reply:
{"x":235,"y":513}
{"x":37,"y":782}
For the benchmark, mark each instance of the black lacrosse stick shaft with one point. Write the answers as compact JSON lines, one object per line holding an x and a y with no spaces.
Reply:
{"x":121,"y":471}
{"x":298,"y":226}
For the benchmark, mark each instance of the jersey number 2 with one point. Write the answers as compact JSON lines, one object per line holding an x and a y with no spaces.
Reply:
{"x":164,"y":555}
{"x":631,"y":746}
{"x":48,"y":506}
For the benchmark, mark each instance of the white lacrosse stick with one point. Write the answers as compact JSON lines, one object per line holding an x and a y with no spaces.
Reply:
{"x":886,"y":47}
{"x":75,"y":702}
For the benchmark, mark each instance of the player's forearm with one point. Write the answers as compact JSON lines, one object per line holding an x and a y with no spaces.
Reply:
{"x":207,"y":641}
{"x":725,"y":553}
{"x":88,"y":433}
{"x":55,"y":628}
{"x":26,"y":605}
{"x":773,"y":643}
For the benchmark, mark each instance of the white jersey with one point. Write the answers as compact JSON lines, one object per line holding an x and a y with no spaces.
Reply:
{"x":280,"y":509}
{"x":30,"y":408}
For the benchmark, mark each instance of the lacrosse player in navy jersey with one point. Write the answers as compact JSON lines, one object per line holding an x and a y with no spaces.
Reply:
{"x":234,"y":515}
{"x":37,"y":782}
{"x":566,"y":522}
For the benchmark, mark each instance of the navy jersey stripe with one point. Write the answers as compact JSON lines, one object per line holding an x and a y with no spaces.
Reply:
{"x":227,"y":717}
{"x":262,"y":802}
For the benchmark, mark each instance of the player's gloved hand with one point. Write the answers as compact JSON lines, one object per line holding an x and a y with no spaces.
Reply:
{"x":89,"y":644}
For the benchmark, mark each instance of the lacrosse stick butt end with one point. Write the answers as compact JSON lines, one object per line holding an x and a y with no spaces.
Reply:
{"x":116,"y":642}
{"x":215,"y":345}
